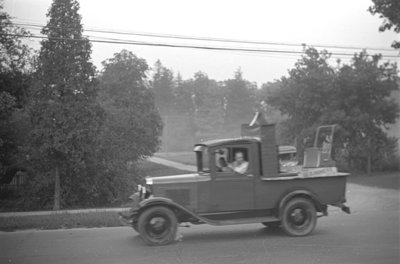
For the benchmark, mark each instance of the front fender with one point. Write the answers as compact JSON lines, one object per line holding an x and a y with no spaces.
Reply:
{"x":179,"y":209}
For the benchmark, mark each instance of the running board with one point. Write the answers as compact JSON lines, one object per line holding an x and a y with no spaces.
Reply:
{"x":240,"y":220}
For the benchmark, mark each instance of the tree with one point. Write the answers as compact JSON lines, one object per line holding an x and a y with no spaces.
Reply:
{"x":362,"y":106}
{"x":133,"y":125}
{"x":163,"y":85}
{"x":183,"y":93}
{"x":305,"y":94}
{"x":15,"y":72}
{"x":208,"y":99}
{"x":355,"y":96}
{"x":271,"y":114}
{"x":389,"y":10}
{"x":240,"y":101}
{"x":65,"y":116}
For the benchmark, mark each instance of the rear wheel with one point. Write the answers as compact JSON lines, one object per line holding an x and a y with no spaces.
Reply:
{"x":299,"y":217}
{"x":157,"y":226}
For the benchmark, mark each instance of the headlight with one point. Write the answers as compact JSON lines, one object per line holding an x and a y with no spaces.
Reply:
{"x":144,"y":191}
{"x":149,"y":181}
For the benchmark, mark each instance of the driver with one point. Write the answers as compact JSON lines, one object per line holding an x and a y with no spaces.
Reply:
{"x":239,"y":165}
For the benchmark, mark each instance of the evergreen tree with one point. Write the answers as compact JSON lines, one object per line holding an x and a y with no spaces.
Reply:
{"x":163,"y":86}
{"x":240,"y":101}
{"x":63,"y":110}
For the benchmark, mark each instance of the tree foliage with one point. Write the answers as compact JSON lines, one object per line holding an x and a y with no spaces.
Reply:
{"x":240,"y":101}
{"x":65,"y":116}
{"x":163,"y":88}
{"x":389,"y":10}
{"x":363,"y":106}
{"x":208,"y":98}
{"x":355,"y":96}
{"x":133,"y":127}
{"x":15,"y":71}
{"x":304,"y":95}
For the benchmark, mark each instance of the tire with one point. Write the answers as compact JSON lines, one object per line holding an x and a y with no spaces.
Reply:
{"x":158,"y":226}
{"x":299,"y":217}
{"x":274,"y":225}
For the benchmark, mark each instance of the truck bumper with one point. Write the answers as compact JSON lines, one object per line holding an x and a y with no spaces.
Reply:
{"x":129,"y":217}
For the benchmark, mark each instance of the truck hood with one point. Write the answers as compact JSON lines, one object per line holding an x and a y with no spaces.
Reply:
{"x":183,"y":178}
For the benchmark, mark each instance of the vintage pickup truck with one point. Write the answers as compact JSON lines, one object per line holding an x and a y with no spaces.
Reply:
{"x":218,"y":194}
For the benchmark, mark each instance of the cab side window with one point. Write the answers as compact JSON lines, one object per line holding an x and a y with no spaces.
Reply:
{"x":232,"y":159}
{"x":240,"y":160}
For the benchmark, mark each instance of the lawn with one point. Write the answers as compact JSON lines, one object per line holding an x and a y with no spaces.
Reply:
{"x":60,"y":221}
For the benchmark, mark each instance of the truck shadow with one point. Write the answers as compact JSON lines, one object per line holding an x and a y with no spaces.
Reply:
{"x":196,"y":236}
{"x":229,"y":235}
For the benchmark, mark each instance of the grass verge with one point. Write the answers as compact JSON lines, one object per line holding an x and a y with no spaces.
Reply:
{"x":60,"y":221}
{"x":387,"y":180}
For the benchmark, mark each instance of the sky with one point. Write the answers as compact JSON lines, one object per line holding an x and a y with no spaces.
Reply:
{"x":341,"y":23}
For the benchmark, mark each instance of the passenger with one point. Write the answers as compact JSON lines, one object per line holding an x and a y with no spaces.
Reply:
{"x":239,"y":165}
{"x":223,"y":165}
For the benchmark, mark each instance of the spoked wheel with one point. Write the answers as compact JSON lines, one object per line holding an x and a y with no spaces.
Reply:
{"x":274,"y":225}
{"x":299,"y":217}
{"x":157,"y":226}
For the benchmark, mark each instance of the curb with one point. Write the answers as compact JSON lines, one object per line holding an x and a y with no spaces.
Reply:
{"x":75,"y":211}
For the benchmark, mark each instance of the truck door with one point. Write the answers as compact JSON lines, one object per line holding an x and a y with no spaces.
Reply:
{"x":232,"y":185}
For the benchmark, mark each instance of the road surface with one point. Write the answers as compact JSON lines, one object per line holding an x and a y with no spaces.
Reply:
{"x":369,"y":235}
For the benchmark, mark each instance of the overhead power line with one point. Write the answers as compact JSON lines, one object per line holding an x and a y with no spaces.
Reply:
{"x":225,"y":40}
{"x":144,"y":43}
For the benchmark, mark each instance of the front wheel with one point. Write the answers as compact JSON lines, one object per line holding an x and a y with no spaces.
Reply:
{"x":158,"y":226}
{"x":299,"y":217}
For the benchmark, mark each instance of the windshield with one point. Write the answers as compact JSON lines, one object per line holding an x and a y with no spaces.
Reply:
{"x":203,"y":160}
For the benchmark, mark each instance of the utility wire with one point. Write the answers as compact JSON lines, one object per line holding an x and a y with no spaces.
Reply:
{"x":182,"y":37}
{"x":144,"y":43}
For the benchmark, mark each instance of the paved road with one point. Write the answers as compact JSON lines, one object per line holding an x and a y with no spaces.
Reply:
{"x":369,"y":235}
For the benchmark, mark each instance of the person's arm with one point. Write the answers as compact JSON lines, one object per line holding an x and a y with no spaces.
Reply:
{"x":242,"y":169}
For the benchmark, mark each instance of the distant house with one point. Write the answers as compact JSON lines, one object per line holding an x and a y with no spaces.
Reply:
{"x":13,"y":179}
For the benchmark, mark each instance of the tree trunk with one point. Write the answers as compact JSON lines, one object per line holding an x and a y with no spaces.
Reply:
{"x":369,"y":164}
{"x":57,"y":190}
{"x":369,"y":158}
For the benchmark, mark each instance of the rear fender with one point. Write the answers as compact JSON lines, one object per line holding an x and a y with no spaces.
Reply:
{"x":305,"y":194}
